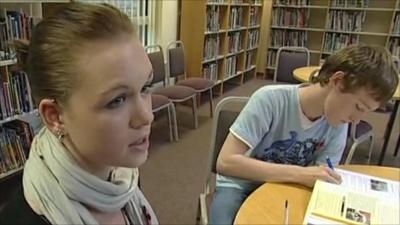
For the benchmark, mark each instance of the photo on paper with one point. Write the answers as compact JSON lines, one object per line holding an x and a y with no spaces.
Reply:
{"x":358,"y":216}
{"x":377,"y":185}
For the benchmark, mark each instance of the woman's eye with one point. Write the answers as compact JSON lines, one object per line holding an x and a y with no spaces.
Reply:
{"x":116,"y":102}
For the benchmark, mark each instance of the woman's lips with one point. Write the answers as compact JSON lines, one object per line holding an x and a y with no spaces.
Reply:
{"x":140,"y":145}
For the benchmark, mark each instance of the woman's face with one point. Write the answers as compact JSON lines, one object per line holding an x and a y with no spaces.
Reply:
{"x":108,"y":117}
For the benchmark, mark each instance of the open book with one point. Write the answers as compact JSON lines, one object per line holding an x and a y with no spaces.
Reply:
{"x":360,"y":199}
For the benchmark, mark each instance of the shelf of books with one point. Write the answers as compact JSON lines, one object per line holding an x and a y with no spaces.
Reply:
{"x":18,"y":117}
{"x":326,"y":26}
{"x":221,"y":38}
{"x":15,"y":140}
{"x":393,"y":42}
{"x":17,"y":18}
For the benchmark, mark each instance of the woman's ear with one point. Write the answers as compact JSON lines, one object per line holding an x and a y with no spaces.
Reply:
{"x":336,"y":81}
{"x":51,"y":115}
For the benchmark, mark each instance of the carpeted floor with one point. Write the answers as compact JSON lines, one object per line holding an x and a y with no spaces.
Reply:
{"x":174,"y":174}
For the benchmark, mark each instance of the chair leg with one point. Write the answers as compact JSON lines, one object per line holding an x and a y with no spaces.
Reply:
{"x":396,"y":150}
{"x":198,"y":99}
{"x":198,"y":216}
{"x":351,"y":152}
{"x":194,"y":109}
{"x":211,"y":103}
{"x":174,"y":122}
{"x":371,"y":147}
{"x":171,"y":138}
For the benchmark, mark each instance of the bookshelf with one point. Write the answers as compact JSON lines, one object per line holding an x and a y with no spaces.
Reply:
{"x":325,"y":26}
{"x":19,"y":120}
{"x":222,"y":39}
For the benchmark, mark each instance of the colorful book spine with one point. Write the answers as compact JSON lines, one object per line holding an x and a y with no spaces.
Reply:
{"x":346,"y":20}
{"x":13,"y":25}
{"x":210,"y":71}
{"x":336,"y":41}
{"x":212,"y":18}
{"x":15,"y":94}
{"x":253,"y":38}
{"x":211,"y":47}
{"x":230,"y":66}
{"x":281,"y":38}
{"x":15,"y":141}
{"x":350,"y":3}
{"x":254,"y":16}
{"x":236,"y":17}
{"x":249,"y":59}
{"x":234,"y":42}
{"x":288,"y":17}
{"x":291,"y":2}
{"x":271,"y":58}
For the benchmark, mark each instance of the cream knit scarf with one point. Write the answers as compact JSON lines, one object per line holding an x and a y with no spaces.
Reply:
{"x":57,"y":188}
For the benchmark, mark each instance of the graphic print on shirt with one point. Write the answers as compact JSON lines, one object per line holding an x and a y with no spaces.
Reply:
{"x":291,"y":151}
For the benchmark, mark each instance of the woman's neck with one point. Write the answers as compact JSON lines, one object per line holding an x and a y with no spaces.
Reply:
{"x":102,"y":172}
{"x":312,"y":99}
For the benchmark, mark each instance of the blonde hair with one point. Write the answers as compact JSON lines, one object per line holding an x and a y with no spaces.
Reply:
{"x":57,"y":42}
{"x":363,"y":66}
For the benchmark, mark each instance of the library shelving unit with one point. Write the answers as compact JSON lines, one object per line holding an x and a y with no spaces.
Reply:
{"x":325,"y":26}
{"x":393,"y":41}
{"x":221,"y":38}
{"x":18,"y":116}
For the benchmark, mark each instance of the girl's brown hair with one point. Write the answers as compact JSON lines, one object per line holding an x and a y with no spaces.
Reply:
{"x":363,"y":66}
{"x":52,"y":57}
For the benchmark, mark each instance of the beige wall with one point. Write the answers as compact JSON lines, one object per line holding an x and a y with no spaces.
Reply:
{"x":167,"y":18}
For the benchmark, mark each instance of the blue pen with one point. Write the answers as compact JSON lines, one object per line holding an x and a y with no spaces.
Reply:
{"x":328,"y":160}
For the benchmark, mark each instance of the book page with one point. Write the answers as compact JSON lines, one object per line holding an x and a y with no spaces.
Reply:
{"x":335,"y":204}
{"x":315,"y":219}
{"x":374,"y":185}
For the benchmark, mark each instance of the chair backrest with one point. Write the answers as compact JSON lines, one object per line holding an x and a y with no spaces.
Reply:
{"x":225,"y":114}
{"x":289,"y":58}
{"x":157,"y":61}
{"x":176,"y":59}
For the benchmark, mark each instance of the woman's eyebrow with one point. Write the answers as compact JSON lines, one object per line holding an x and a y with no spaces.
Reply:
{"x":115,"y":88}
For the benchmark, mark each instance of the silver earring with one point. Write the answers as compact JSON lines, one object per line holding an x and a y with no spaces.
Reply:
{"x":60,"y":135}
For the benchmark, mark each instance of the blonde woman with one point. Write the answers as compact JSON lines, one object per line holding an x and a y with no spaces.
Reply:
{"x":88,"y":73}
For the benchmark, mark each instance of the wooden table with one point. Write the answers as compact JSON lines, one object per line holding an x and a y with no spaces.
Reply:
{"x":303,"y":74}
{"x":266,"y":204}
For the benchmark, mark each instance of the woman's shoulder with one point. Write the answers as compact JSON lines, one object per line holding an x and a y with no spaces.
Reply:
{"x":17,"y":211}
